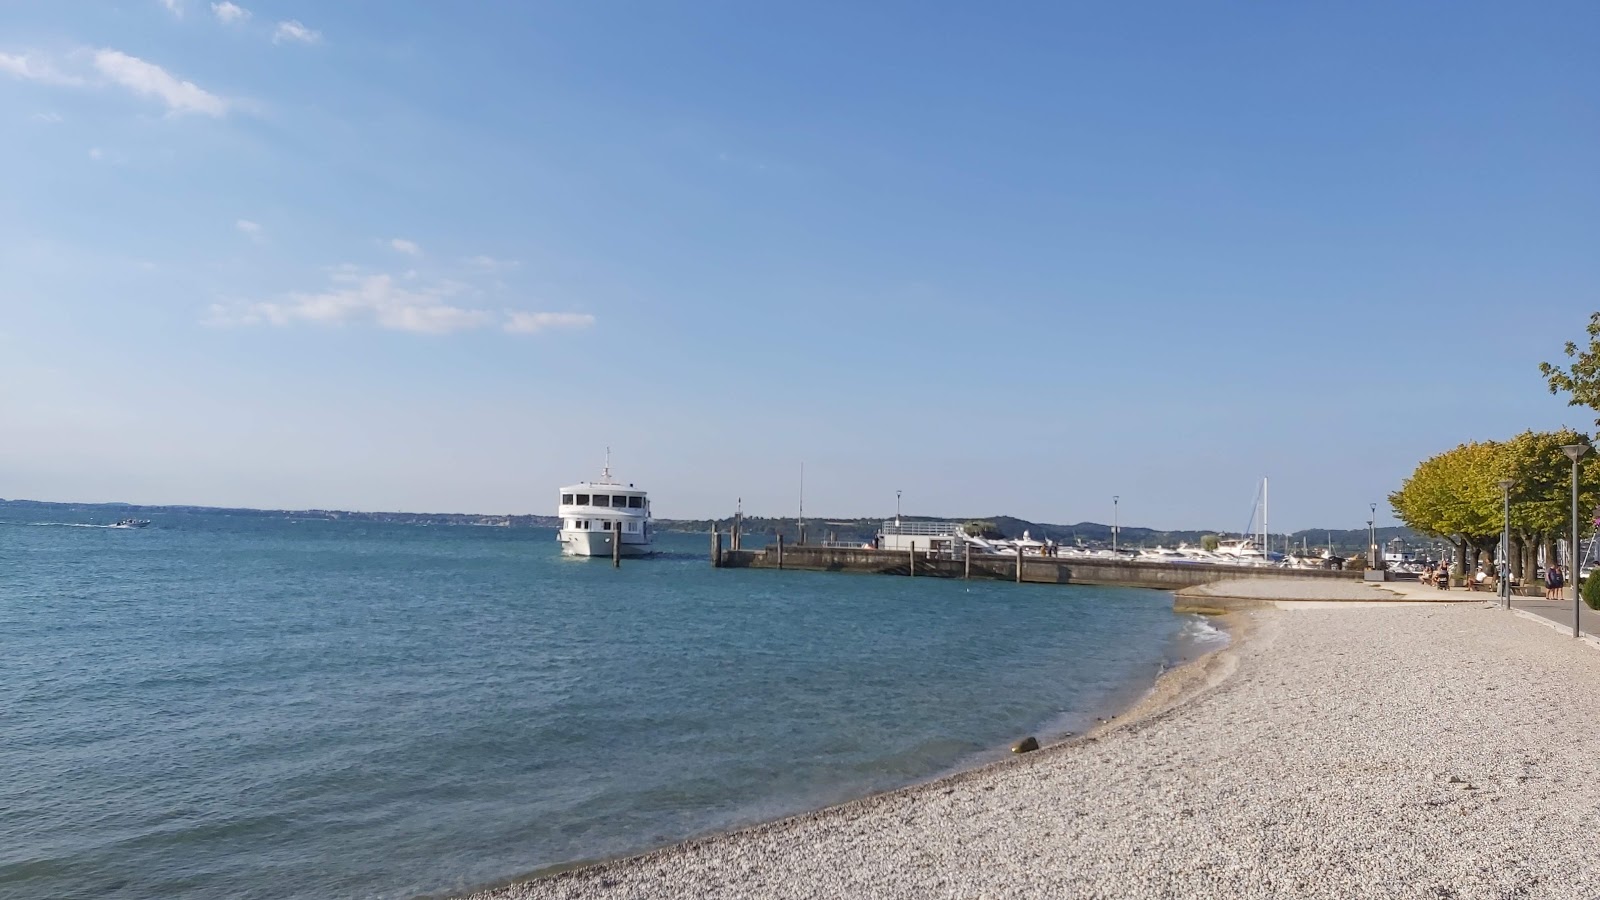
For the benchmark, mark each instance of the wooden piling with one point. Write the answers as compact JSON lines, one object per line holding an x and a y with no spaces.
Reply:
{"x":1019,"y":565}
{"x":913,"y":552}
{"x":616,"y":544}
{"x":967,"y":568}
{"x":780,"y":551}
{"x":716,"y":549}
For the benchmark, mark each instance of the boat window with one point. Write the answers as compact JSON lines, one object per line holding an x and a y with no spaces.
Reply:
{"x":619,"y":501}
{"x":606,"y":525}
{"x":602,"y":499}
{"x":567,"y":499}
{"x":583,"y":500}
{"x":636,"y":503}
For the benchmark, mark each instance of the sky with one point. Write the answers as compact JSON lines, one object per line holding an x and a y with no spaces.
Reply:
{"x":1012,"y":258}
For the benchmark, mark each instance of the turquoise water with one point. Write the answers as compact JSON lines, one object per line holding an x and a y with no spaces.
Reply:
{"x":227,"y":706}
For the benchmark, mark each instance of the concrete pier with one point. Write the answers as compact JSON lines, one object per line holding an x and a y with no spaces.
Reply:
{"x":1029,"y":569}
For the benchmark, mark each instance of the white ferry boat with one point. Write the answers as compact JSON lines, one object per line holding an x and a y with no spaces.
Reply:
{"x":594,"y":513}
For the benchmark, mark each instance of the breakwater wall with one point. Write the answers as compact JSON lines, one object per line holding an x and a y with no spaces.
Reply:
{"x":1035,"y":569}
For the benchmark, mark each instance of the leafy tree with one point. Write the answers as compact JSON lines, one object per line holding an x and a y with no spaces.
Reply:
{"x":1581,"y":378}
{"x":1210,"y":542}
{"x":1455,"y":494}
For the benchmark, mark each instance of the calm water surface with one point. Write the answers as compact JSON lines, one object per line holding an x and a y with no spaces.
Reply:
{"x":256,"y":708}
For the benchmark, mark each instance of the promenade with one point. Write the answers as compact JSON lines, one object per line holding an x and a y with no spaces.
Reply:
{"x":1335,"y":750}
{"x":1558,"y":612}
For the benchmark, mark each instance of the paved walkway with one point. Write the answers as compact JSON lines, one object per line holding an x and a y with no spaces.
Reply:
{"x":1557,"y":611}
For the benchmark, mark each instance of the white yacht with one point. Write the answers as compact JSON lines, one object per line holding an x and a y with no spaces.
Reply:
{"x":594,"y":513}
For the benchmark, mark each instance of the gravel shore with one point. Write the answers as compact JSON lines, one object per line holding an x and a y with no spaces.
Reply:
{"x":1442,"y":751}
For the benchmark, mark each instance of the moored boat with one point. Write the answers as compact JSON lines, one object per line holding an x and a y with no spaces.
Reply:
{"x":595,"y":513}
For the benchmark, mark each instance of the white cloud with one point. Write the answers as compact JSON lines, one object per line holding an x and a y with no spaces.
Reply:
{"x":535,"y":322}
{"x":490,"y":264}
{"x":174,"y":6}
{"x":409,"y":248}
{"x":229,"y":13}
{"x":149,"y":79}
{"x":357,"y":299}
{"x":96,"y":153}
{"x":292,"y":30}
{"x":47,"y":117}
{"x":31,"y":68}
{"x":249,"y":229}
{"x":407,"y":303}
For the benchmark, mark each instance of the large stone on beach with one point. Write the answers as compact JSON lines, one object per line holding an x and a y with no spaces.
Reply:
{"x":1026,"y":745}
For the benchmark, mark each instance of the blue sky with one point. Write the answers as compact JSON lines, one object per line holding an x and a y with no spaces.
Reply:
{"x":1006,"y":258}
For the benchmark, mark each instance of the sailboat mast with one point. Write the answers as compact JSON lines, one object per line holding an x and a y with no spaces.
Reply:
{"x":1266,"y":536}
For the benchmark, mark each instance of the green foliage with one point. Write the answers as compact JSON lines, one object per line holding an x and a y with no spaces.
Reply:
{"x":1210,"y":543}
{"x":1591,"y":590}
{"x":982,"y":529}
{"x":1581,"y":379}
{"x":1456,"y":493}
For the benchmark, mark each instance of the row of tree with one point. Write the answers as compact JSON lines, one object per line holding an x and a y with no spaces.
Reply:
{"x":1456,"y":495}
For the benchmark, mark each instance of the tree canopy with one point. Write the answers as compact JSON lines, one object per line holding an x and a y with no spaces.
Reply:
{"x":1456,"y":494}
{"x":1581,"y":377}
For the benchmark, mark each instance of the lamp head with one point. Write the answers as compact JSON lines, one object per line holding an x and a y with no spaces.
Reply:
{"x":1574,"y":451}
{"x":1507,"y":483}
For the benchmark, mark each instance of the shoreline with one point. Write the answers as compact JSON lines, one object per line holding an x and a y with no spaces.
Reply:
{"x":1184,"y":682}
{"x":1329,"y":751}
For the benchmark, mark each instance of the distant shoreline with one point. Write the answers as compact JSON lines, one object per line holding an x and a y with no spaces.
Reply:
{"x":818,"y":528}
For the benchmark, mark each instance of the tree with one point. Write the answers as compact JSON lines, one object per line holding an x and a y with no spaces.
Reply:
{"x":1455,"y":495}
{"x":1210,"y":543}
{"x":1581,"y":379}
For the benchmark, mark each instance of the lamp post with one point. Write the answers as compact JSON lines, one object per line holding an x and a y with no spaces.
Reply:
{"x":897,"y":507}
{"x":1574,"y":452}
{"x":1371,"y":563}
{"x":1505,"y":543}
{"x":1114,"y":499}
{"x":1374,"y":549}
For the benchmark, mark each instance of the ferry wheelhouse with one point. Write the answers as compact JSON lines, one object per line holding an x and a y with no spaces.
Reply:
{"x":595,"y":513}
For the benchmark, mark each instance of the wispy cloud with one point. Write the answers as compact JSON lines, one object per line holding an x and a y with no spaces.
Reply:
{"x":47,"y":117}
{"x":174,"y":6}
{"x":490,"y":264}
{"x":149,"y":79}
{"x":535,"y":322}
{"x":32,"y":68}
{"x":292,"y":30}
{"x":409,"y":248}
{"x":355,"y":297}
{"x":361,"y":299}
{"x":229,"y":13}
{"x":96,"y":154}
{"x":249,"y":229}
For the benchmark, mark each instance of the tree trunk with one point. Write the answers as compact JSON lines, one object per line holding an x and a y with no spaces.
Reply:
{"x":1516,"y":556}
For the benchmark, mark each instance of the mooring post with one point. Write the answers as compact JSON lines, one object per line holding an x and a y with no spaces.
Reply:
{"x":616,"y":544}
{"x":780,"y":551}
{"x":1019,"y":565}
{"x":716,"y":549}
{"x":913,"y":552}
{"x":967,"y":573}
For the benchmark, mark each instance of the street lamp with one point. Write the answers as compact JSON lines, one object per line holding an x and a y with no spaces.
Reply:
{"x":1505,"y":543}
{"x":1114,"y":499}
{"x":1574,"y":452}
{"x":1373,"y":548}
{"x":897,"y":507}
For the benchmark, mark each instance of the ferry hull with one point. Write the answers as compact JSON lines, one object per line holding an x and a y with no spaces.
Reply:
{"x":598,"y":543}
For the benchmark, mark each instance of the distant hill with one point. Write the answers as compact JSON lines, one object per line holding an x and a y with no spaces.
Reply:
{"x":817,"y":528}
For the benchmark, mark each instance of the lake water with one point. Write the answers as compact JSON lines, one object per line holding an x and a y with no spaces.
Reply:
{"x":259,"y":708}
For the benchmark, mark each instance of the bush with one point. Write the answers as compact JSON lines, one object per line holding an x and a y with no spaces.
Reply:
{"x":1591,"y":590}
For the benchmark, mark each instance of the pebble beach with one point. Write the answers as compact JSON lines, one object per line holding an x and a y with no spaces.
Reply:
{"x":1333,"y":750}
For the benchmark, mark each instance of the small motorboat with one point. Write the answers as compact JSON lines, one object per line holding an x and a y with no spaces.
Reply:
{"x":131,"y":523}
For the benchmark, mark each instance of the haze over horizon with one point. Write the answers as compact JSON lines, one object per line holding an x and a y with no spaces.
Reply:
{"x":433,"y":258}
